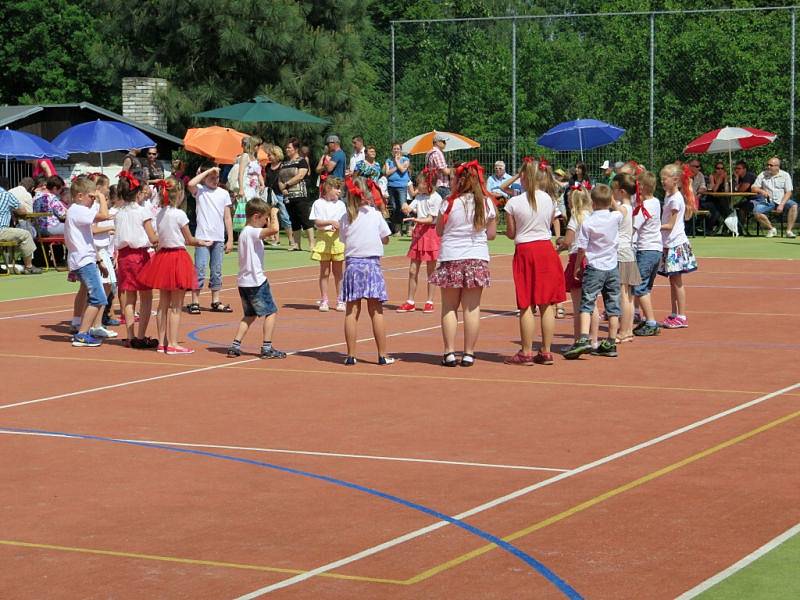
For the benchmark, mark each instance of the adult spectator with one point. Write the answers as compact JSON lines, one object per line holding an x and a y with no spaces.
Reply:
{"x":334,"y":161}
{"x":133,"y":164}
{"x":24,"y":195}
{"x":42,"y":167}
{"x":498,"y":178}
{"x":369,"y":167}
{"x":617,"y":168}
{"x":153,"y":167}
{"x":774,"y":186}
{"x":699,"y":188}
{"x":359,"y":153}
{"x":49,"y":201}
{"x":271,"y":179}
{"x":179,"y":171}
{"x":396,"y":171}
{"x":608,"y":173}
{"x":718,"y":181}
{"x":292,"y":185}
{"x":436,"y":164}
{"x":743,"y":180}
{"x":10,"y":205}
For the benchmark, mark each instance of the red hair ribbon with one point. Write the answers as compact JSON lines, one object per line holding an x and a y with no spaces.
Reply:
{"x":134,"y":183}
{"x":543,"y":164}
{"x":637,"y":168}
{"x":352,"y":188}
{"x":377,"y":194}
{"x":474,"y":167}
{"x":639,"y":208}
{"x":582,"y":185}
{"x":163,"y":186}
{"x":688,"y":191}
{"x":528,"y":160}
{"x":428,"y":172}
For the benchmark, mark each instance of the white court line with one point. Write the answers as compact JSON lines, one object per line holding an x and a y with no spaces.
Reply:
{"x":508,"y":497}
{"x":220,"y":366}
{"x":310,"y":453}
{"x":738,"y":566}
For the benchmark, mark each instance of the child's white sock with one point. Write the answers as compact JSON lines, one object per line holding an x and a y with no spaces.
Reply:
{"x":410,"y":302}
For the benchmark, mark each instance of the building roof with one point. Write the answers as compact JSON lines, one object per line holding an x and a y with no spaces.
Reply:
{"x":11,"y":114}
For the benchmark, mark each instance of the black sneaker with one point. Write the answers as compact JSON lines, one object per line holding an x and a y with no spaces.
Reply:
{"x":606,"y":348}
{"x":234,"y":352}
{"x":647,"y":330}
{"x":272,"y":353}
{"x":581,"y":346}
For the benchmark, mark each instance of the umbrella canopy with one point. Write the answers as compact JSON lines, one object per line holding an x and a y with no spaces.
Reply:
{"x":24,"y":145}
{"x":261,"y":109}
{"x":101,"y":136}
{"x":729,"y":139}
{"x":221,"y":144}
{"x":581,"y":134}
{"x":424,"y":142}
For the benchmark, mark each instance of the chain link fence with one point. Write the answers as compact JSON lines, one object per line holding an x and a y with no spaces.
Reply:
{"x":666,"y":77}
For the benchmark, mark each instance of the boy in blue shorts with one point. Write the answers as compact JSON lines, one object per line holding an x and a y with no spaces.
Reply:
{"x":262,"y":222}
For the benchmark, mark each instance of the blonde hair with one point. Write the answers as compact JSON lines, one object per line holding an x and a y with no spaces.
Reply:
{"x":580,"y":204}
{"x":356,"y":200}
{"x":647,"y":182}
{"x":81,"y":185}
{"x":174,"y":189}
{"x":601,"y":196}
{"x":275,"y":151}
{"x":673,"y":170}
{"x":251,"y":144}
{"x":331,"y":183}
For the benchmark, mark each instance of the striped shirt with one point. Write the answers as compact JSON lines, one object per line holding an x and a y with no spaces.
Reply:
{"x":435,"y":161}
{"x":8,"y":203}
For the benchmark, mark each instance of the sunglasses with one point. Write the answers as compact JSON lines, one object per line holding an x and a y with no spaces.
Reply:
{"x":152,"y":154}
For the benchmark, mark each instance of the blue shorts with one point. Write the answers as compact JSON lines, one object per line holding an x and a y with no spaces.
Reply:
{"x":89,"y":276}
{"x":648,"y":261}
{"x":257,"y":301}
{"x":596,"y":281}
{"x":762,"y":206}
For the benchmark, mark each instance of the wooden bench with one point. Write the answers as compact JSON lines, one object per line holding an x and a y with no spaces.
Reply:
{"x":699,"y":213}
{"x":9,"y":249}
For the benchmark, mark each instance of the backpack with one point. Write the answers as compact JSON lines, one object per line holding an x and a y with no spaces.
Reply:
{"x":233,"y":177}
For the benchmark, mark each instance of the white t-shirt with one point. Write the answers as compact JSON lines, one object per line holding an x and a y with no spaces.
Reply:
{"x":251,"y":257}
{"x":532,"y":226}
{"x":625,"y":241}
{"x":103,"y":240}
{"x":598,"y":237}
{"x":426,"y":205}
{"x":364,"y":237}
{"x":774,"y":185}
{"x":573,"y":226}
{"x":78,"y":236}
{"x":460,"y":240}
{"x":357,"y":158}
{"x":211,"y":206}
{"x":327,"y":210}
{"x":169,"y":223}
{"x":647,"y":232}
{"x":23,"y":196}
{"x":129,"y":226}
{"x":676,"y":236}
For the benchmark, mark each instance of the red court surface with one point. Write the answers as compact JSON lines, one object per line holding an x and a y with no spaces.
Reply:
{"x":635,"y":477}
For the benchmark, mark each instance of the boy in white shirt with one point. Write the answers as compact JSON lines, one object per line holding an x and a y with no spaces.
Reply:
{"x":214,"y":223}
{"x":257,"y":301}
{"x":597,"y":241}
{"x":82,"y":258}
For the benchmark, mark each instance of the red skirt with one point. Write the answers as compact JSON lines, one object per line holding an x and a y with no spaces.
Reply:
{"x":425,"y":243}
{"x":169,"y":269}
{"x":538,"y":278}
{"x":130,"y":262}
{"x":570,"y":281}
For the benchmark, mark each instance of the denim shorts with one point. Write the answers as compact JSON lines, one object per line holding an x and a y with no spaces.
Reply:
{"x":257,"y":301}
{"x":648,"y":261}
{"x":762,"y":206}
{"x":596,"y":281}
{"x":89,"y":276}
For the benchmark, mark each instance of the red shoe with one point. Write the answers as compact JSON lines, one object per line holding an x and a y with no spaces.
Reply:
{"x":178,"y":350}
{"x":543,"y":358}
{"x":406,"y":307}
{"x":520,"y":359}
{"x":428,"y":308}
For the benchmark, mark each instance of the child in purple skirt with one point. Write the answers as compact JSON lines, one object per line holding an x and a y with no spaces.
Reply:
{"x":364,"y":232}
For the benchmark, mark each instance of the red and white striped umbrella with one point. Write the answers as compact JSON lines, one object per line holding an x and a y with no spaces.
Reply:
{"x":729,"y":139}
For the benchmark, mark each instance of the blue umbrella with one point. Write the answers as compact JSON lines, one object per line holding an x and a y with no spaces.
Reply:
{"x":23,"y":145}
{"x":581,"y":134}
{"x":101,"y":136}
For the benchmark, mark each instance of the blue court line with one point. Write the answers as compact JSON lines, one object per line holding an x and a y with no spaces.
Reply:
{"x":193,"y":335}
{"x":543,"y":570}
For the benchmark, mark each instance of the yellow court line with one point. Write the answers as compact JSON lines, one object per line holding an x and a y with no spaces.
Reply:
{"x":192,"y":561}
{"x":470,"y":380}
{"x":601,"y":498}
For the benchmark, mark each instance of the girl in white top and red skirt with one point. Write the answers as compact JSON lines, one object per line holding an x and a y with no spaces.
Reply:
{"x":466,"y":222}
{"x":538,"y":278}
{"x":171,"y":270}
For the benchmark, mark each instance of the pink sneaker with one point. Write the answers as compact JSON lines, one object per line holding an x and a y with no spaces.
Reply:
{"x":178,"y":350}
{"x":406,"y":307}
{"x":675,"y":322}
{"x":428,"y":308}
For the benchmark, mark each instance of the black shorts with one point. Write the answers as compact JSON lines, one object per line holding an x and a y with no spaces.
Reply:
{"x":299,"y":210}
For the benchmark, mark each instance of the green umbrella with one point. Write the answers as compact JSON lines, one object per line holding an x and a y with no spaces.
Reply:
{"x":259,"y":109}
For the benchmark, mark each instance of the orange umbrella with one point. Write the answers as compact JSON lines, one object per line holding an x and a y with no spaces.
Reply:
{"x":422,"y":143}
{"x":221,"y":144}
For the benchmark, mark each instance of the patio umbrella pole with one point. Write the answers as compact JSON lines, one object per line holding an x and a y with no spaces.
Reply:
{"x":580,"y":142}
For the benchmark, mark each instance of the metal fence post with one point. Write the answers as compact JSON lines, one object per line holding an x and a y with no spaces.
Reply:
{"x":791,"y":94}
{"x":652,"y":87}
{"x":394,"y":132}
{"x":514,"y":95}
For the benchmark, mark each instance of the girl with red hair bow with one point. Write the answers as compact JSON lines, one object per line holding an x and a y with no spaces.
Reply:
{"x":466,"y":221}
{"x":171,"y":270}
{"x":538,"y":280}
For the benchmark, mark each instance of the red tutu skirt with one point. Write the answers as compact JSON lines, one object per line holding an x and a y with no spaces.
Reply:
{"x":538,"y":278}
{"x":170,"y":269}
{"x":130,"y":262}
{"x":425,"y":243}
{"x":570,"y":281}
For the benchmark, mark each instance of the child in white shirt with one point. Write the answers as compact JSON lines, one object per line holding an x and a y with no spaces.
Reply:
{"x":326,"y":213}
{"x":647,"y":228}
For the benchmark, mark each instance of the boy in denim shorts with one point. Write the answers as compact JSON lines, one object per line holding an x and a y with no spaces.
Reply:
{"x":597,"y":241}
{"x":262,"y":222}
{"x":82,"y":258}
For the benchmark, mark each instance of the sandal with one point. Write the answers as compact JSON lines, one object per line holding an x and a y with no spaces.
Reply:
{"x":467,"y":360}
{"x":449,"y":360}
{"x":560,"y":312}
{"x":623,"y":339}
{"x":193,"y":308}
{"x":220,"y":307}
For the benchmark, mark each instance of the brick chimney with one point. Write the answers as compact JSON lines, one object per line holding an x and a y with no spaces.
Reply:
{"x":138,"y":100}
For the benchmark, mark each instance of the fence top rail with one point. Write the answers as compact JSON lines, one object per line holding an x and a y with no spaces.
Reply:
{"x":599,"y":14}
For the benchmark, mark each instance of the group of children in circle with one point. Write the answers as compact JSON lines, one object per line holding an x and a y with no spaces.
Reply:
{"x":618,"y":238}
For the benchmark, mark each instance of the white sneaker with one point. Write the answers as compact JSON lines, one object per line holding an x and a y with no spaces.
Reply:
{"x":102,"y":332}
{"x":772,"y":233}
{"x":341,"y":307}
{"x":791,"y":234}
{"x":323,"y":307}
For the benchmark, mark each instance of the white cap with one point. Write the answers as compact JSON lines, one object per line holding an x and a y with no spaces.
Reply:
{"x":605,"y":165}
